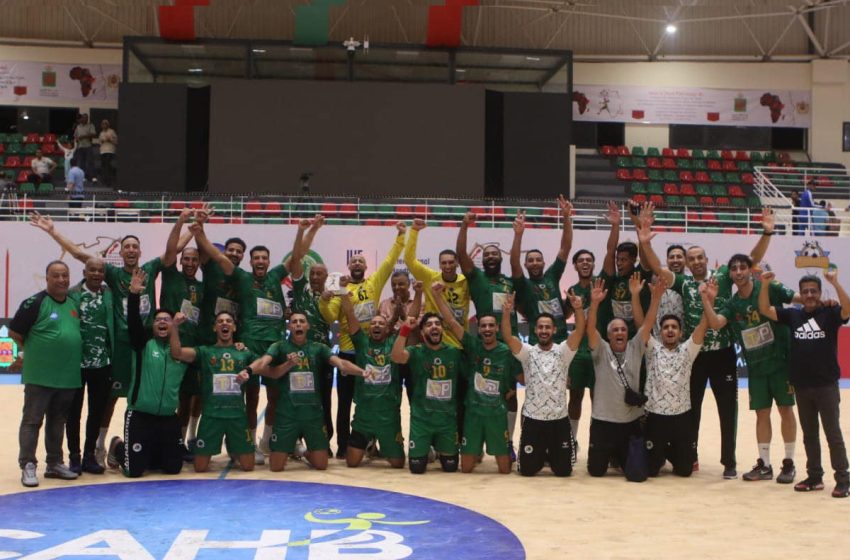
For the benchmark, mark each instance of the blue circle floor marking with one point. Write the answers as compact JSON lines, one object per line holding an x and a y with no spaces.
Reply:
{"x":243,"y":519}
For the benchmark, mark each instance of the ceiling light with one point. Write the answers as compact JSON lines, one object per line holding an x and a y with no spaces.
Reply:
{"x":533,"y":58}
{"x":25,"y":116}
{"x":460,"y":70}
{"x":671,"y":28}
{"x":258,"y":51}
{"x":195,"y":70}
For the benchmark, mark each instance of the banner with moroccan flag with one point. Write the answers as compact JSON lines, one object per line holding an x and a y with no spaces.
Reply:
{"x":27,"y":82}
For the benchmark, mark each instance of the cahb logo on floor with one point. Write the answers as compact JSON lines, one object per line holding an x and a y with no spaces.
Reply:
{"x":233,"y":520}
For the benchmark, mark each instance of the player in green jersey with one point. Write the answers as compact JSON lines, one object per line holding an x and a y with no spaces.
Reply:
{"x":492,"y":372}
{"x":581,"y":368}
{"x":765,"y":347}
{"x":435,"y":370}
{"x":540,"y":292}
{"x":377,"y":397}
{"x":223,"y":398}
{"x":300,"y":411}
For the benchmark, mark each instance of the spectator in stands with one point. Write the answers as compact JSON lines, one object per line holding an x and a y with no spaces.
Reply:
{"x":807,"y":202}
{"x":820,"y":219}
{"x":68,"y":149}
{"x":84,"y":133}
{"x":833,"y":226}
{"x":797,"y":223}
{"x":108,"y":144}
{"x":75,"y":183}
{"x":41,"y":168}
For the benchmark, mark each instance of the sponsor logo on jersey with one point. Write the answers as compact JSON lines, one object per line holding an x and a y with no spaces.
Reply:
{"x":810,"y":330}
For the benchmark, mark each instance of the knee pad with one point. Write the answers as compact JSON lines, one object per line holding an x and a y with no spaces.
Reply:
{"x":417,"y":465}
{"x":449,"y":462}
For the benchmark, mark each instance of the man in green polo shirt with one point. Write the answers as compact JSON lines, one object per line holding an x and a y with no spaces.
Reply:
{"x":97,"y":328}
{"x":47,"y":327}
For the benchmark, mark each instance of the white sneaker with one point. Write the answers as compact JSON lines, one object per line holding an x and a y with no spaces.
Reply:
{"x":300,"y":449}
{"x":259,"y":458}
{"x":29,"y":478}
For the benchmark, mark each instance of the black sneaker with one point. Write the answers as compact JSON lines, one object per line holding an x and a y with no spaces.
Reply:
{"x":75,"y":465}
{"x":91,"y":466}
{"x":111,"y":458}
{"x":730,"y":473}
{"x":788,"y":472}
{"x":810,"y":484}
{"x":842,"y":489}
{"x":189,"y":451}
{"x":759,"y":472}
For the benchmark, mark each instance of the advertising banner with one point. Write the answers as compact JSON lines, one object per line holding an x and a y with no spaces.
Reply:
{"x":28,"y":82}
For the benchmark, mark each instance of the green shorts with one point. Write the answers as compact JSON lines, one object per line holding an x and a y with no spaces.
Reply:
{"x":775,"y":386}
{"x":582,"y":375}
{"x":288,"y":428}
{"x":191,"y":384}
{"x":425,"y":433}
{"x":122,"y":364}
{"x":390,"y":439}
{"x":212,"y":430}
{"x":479,"y":429}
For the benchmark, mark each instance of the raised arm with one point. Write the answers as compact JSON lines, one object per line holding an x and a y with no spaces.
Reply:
{"x":135,"y":325}
{"x":636,"y":284}
{"x":296,"y":267}
{"x":45,"y":224}
{"x":567,"y":232}
{"x":648,"y":257}
{"x":171,"y":245}
{"x":574,"y":340}
{"x":416,"y":268}
{"x":466,"y":264}
{"x":698,"y":335}
{"x":399,"y":353}
{"x":613,"y":218}
{"x":385,"y":269}
{"x":516,"y":247}
{"x":348,"y":311}
{"x":764,"y":296}
{"x":708,"y":293}
{"x":346,"y":367}
{"x":768,"y":222}
{"x":416,"y":305}
{"x":437,"y":289}
{"x":597,"y":295}
{"x":831,"y":276}
{"x":658,"y":290}
{"x":178,"y":352}
{"x":208,"y":248}
{"x":513,"y":342}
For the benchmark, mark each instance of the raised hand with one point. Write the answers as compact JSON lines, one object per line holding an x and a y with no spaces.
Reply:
{"x":598,"y":293}
{"x":659,"y":287}
{"x":44,"y":223}
{"x":768,"y":220}
{"x":303,"y":225}
{"x":519,"y":222}
{"x":636,"y":283}
{"x":137,"y":282}
{"x":411,"y":322}
{"x":318,"y":221}
{"x":613,"y":215}
{"x":418,"y":224}
{"x":179,"y":319}
{"x":575,"y":300}
{"x":468,"y":219}
{"x":196,"y":227}
{"x":401,"y":227}
{"x":418,"y":286}
{"x":508,"y":305}
{"x":647,"y":214}
{"x":831,"y":275}
{"x":566,"y":207}
{"x":709,"y":289}
{"x":438,"y":288}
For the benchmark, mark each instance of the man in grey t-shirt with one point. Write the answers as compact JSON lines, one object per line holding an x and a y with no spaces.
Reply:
{"x":617,"y":363}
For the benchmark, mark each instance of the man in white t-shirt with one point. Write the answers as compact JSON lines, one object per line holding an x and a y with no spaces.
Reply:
{"x":108,"y":145}
{"x":617,"y":366}
{"x":669,"y":426}
{"x":546,"y":434}
{"x":41,"y":169}
{"x":84,"y":133}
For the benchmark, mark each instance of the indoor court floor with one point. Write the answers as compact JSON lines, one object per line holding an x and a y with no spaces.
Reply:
{"x":343,"y":512}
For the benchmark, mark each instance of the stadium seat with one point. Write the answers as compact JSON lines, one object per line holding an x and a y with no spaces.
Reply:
{"x":23,"y":175}
{"x":656,"y":175}
{"x":716,"y":177}
{"x":27,"y":162}
{"x":654,"y":188}
{"x":703,"y":190}
{"x":671,"y":176}
{"x":715,"y":165}
{"x":32,"y":138}
{"x":745,"y":166}
{"x":686,"y":176}
{"x":48,"y":138}
{"x":653,"y":152}
{"x":12,"y":161}
{"x":746,"y":178}
{"x":45,"y":188}
{"x":121,"y":203}
{"x":27,"y":188}
{"x":668,"y":163}
{"x":673,"y":200}
{"x":718,"y":190}
{"x":623,"y":151}
{"x":692,"y":217}
{"x":684,"y":163}
{"x":624,"y":162}
{"x":636,"y":188}
{"x":671,"y":189}
{"x":639,"y":198}
{"x":328,"y":209}
{"x":653,"y":163}
{"x":732,"y":178}
{"x":640,"y":175}
{"x":638,"y":162}
{"x":727,"y":154}
{"x":683,"y":153}
{"x":700,"y":165}
{"x":712,"y":154}
{"x":26,"y":204}
{"x":739,"y":203}
{"x":49,"y":149}
{"x":729,"y":165}
{"x":217,"y":219}
{"x":735,"y":190}
{"x":656,"y":199}
{"x":273,"y":209}
{"x":30,"y":149}
{"x":753,"y":202}
{"x":638,"y":151}
{"x":689,"y":200}
{"x":404,"y":211}
{"x":741,"y":155}
{"x":256,"y":207}
{"x":348,"y":210}
{"x":608,"y":151}
{"x":687,"y":189}
{"x":668,"y":152}
{"x":722,"y":201}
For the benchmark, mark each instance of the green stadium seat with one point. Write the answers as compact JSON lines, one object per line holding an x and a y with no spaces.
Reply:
{"x":716,"y":177}
{"x":673,"y":200}
{"x":671,"y":176}
{"x":746,"y":165}
{"x":45,"y":188}
{"x":638,"y":162}
{"x":732,"y":178}
{"x":769,"y":157}
{"x":654,"y":188}
{"x":753,"y":202}
{"x":739,"y":202}
{"x":700,"y":165}
{"x":14,"y":138}
{"x":656,"y":175}
{"x":697,"y":154}
{"x":683,"y":163}
{"x":637,"y":188}
{"x":718,"y":190}
{"x":30,"y":149}
{"x":713,"y":154}
{"x":703,"y":189}
{"x":652,"y":152}
{"x":756,"y":158}
{"x":638,"y":151}
{"x":14,"y":148}
{"x":624,"y":162}
{"x":27,"y":188}
{"x":690,"y":201}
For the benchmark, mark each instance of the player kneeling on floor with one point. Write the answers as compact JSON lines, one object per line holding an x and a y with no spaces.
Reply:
{"x":223,"y":397}
{"x":299,"y":412}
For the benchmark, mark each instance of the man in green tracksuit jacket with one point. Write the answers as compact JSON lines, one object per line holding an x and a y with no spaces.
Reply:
{"x":151,"y":427}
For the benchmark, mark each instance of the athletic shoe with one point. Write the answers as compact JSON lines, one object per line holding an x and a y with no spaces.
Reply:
{"x":59,"y":470}
{"x":263,"y":447}
{"x":786,"y":476}
{"x":75,"y":465}
{"x":511,"y":452}
{"x":842,"y":490}
{"x":811,"y":483}
{"x":29,"y":478}
{"x":730,"y":473}
{"x":432,"y":454}
{"x":100,"y":456}
{"x":91,"y":466}
{"x":696,"y":468}
{"x":111,"y":459}
{"x":759,"y":472}
{"x":259,"y":458}
{"x":300,"y":449}
{"x":189,"y":451}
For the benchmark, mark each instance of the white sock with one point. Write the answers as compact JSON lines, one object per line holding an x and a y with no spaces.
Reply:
{"x":101,"y":437}
{"x":574,"y":426}
{"x":193,"y":427}
{"x":789,"y":450}
{"x":511,"y":426}
{"x":764,"y":453}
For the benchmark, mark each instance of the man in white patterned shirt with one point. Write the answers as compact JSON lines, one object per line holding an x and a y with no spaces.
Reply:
{"x":669,"y":427}
{"x":546,"y":434}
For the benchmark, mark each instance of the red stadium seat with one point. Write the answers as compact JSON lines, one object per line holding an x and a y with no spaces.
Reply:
{"x":727,"y":154}
{"x":217,"y":219}
{"x":683,"y":153}
{"x":2,"y":148}
{"x":253,"y":207}
{"x":668,"y":163}
{"x":692,"y":217}
{"x":622,"y":150}
{"x":22,"y":176}
{"x":608,"y":151}
{"x":731,"y":231}
{"x":12,"y":161}
{"x":671,"y":188}
{"x":348,"y":210}
{"x":176,"y":205}
{"x":686,"y":176}
{"x":722,"y":201}
{"x":742,"y":155}
{"x":236,"y":220}
{"x":32,"y":138}
{"x":404,"y":211}
{"x":687,"y":189}
{"x":27,"y":162}
{"x":729,"y":165}
{"x":706,"y":201}
{"x":657,"y":200}
{"x":747,"y":178}
{"x":155,"y":219}
{"x":25,"y":204}
{"x":121,"y":203}
{"x":328,"y":209}
{"x":48,"y":149}
{"x":49,"y":138}
{"x":715,"y":165}
{"x":701,"y":177}
{"x":622,"y":174}
{"x":372,"y":222}
{"x":639,"y":198}
{"x":640,"y":175}
{"x":273,"y":208}
{"x":421,"y":211}
{"x":653,"y":163}
{"x":668,"y":152}
{"x":735,"y":190}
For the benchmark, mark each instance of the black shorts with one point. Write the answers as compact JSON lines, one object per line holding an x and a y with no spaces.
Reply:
{"x":151,"y":442}
{"x":546,"y":440}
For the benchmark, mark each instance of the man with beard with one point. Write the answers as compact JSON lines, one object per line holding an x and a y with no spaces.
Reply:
{"x":617,"y":364}
{"x":765,"y":347}
{"x":581,"y":369}
{"x":377,"y":415}
{"x":541,"y":291}
{"x":366,"y":297}
{"x":492,"y":372}
{"x":151,"y":427}
{"x":456,"y":293}
{"x":671,"y":301}
{"x":118,"y":279}
{"x":717,"y":362}
{"x":396,"y":308}
{"x":300,"y":413}
{"x":222,"y":396}
{"x":262,"y":305}
{"x":814,"y":373}
{"x":546,"y":434}
{"x":435,"y":368}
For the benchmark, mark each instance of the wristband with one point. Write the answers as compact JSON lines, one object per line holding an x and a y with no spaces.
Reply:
{"x":404,"y":331}
{"x":249,"y":370}
{"x":763,"y":232}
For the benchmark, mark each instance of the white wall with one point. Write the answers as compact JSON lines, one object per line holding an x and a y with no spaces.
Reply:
{"x":828,"y":81}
